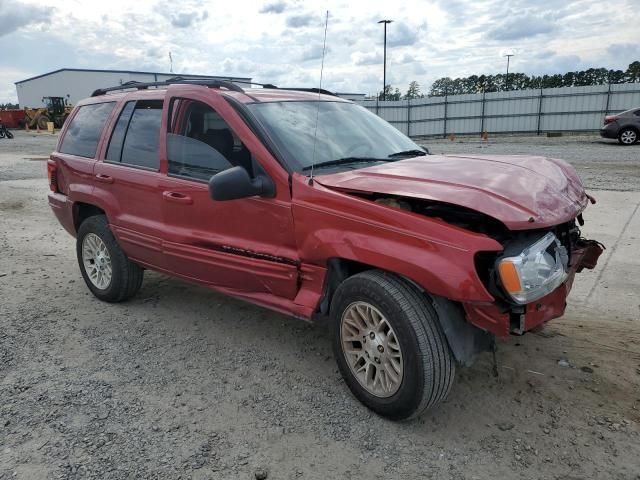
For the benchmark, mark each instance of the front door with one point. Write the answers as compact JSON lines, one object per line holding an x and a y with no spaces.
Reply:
{"x":243,"y":246}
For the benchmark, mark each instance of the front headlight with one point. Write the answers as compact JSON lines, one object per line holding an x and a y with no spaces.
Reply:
{"x":535,"y":272}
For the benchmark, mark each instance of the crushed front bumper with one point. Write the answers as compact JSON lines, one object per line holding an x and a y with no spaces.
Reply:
{"x":502,"y":320}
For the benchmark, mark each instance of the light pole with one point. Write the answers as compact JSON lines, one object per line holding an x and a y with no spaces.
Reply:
{"x":384,"y":71}
{"x":506,"y":82}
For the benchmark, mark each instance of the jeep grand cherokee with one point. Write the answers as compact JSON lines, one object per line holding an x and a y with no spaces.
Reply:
{"x":312,"y":206}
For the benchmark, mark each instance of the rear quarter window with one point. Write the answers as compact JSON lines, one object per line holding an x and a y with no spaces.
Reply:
{"x":85,"y":129}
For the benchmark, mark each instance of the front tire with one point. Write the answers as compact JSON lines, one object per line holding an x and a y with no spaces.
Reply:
{"x":389,"y":345}
{"x":42,"y":122}
{"x":106,"y":269}
{"x":628,"y":136}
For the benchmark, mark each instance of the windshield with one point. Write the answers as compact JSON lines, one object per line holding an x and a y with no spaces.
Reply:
{"x":345,"y":131}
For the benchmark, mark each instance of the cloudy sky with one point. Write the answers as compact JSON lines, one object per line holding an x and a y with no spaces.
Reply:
{"x":280,"y":41}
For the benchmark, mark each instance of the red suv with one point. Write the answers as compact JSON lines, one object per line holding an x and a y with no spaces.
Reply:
{"x":308,"y":204}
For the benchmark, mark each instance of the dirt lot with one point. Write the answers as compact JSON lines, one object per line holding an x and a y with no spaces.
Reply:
{"x":184,"y":383}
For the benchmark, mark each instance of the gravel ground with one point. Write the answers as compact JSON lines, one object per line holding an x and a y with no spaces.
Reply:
{"x":183,"y":383}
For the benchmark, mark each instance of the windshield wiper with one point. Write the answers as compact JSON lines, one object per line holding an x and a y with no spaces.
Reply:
{"x":345,"y":160}
{"x":409,"y":153}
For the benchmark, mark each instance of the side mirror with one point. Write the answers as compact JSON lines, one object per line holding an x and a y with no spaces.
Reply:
{"x":235,"y":183}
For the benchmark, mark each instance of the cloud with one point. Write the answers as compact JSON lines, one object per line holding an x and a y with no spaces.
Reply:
{"x":17,"y":15}
{"x":550,"y":63}
{"x":275,"y":7}
{"x":234,"y":66}
{"x":298,"y":21}
{"x":313,"y":52}
{"x":522,"y":26}
{"x":418,"y":69}
{"x":400,"y":34}
{"x":625,"y":53}
{"x":406,"y":58}
{"x":282,"y":44}
{"x":186,"y":20}
{"x":368,"y":58}
{"x":456,"y":9}
{"x":154,"y":52}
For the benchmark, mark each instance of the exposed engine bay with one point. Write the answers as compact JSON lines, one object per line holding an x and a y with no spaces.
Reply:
{"x":555,"y":245}
{"x":568,"y":233}
{"x":453,"y":214}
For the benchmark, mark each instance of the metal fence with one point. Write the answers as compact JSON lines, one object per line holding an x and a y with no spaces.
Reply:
{"x":567,"y":109}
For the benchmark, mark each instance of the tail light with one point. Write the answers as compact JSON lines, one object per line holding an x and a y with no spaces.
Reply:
{"x":610,"y":119}
{"x":52,"y":173}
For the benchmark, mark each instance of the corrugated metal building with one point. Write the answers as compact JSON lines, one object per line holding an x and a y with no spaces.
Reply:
{"x":75,"y":84}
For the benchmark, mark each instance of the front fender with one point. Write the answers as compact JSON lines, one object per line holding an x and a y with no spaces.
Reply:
{"x":437,"y":256}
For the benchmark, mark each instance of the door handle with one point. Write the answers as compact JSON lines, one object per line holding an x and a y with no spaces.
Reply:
{"x":177,"y":197}
{"x":104,"y":178}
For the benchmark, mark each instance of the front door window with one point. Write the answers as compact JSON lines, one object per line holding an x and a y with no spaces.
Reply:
{"x":200,"y":143}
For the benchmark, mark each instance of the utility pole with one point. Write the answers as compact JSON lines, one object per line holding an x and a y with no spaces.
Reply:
{"x":506,"y":82}
{"x":384,"y":71}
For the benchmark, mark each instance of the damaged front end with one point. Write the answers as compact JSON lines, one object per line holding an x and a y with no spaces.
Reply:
{"x":529,"y":279}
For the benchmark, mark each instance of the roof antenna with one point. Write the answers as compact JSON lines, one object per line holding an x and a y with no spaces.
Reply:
{"x":315,"y":133}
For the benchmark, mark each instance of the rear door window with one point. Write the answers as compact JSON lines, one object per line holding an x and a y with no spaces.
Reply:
{"x":114,"y":151}
{"x":85,"y":129}
{"x":136,"y":137}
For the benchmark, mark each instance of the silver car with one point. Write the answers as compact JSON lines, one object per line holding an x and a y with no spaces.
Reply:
{"x":624,"y":126}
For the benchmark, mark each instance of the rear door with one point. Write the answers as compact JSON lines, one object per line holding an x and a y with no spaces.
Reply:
{"x":128,"y":180}
{"x":245,"y":246}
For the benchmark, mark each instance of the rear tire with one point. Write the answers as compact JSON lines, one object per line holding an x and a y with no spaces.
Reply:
{"x":628,"y":136}
{"x":410,"y":335}
{"x":106,"y":269}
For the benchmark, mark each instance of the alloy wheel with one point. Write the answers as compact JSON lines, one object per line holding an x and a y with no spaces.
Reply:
{"x":628,"y":137}
{"x":96,"y":261}
{"x":371,"y":349}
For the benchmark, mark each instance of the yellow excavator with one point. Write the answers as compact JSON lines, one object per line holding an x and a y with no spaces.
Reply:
{"x":56,"y":110}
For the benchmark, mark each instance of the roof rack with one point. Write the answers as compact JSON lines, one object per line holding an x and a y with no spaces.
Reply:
{"x":312,"y":90}
{"x":207,"y":82}
{"x":300,"y":89}
{"x":263,"y":85}
{"x":271,"y":85}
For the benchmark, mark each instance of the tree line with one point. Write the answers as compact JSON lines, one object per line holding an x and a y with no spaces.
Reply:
{"x":515,"y":81}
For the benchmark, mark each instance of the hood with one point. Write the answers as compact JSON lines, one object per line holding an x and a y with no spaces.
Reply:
{"x":523,"y":192}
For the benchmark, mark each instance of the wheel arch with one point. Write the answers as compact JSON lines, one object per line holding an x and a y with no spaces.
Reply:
{"x":464,"y":339}
{"x":629,"y":127}
{"x":82,"y":211}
